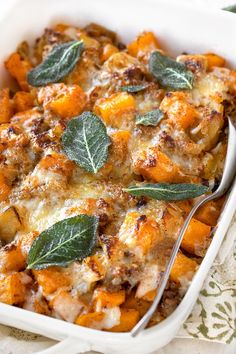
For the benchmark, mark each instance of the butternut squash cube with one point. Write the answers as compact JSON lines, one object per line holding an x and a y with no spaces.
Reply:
{"x":155,"y":165}
{"x":23,"y":101}
{"x":109,"y":299}
{"x":63,"y":100}
{"x":91,"y":319}
{"x":183,"y":268}
{"x":139,"y":304}
{"x":112,"y":108}
{"x":9,"y":224}
{"x":177,"y":108}
{"x":19,"y":69}
{"x":150,"y":296}
{"x":209,"y":213}
{"x":51,"y":279}
{"x":11,"y":259}
{"x":128,"y":319}
{"x":6,"y":110}
{"x":108,"y":51}
{"x":145,"y":43}
{"x":214,"y":60}
{"x":5,"y":189}
{"x":196,"y":237}
{"x":12,"y":290}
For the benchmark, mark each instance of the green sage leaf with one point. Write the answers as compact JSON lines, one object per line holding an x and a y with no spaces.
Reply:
{"x":64,"y":242}
{"x":166,"y":191}
{"x":134,"y":88}
{"x":150,"y":118}
{"x":169,"y":73}
{"x":86,"y":142}
{"x":231,"y":8}
{"x":59,"y":63}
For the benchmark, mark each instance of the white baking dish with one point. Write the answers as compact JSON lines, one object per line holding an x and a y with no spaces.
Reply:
{"x":180,"y":29}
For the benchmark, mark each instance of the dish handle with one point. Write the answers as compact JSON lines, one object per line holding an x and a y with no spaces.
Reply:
{"x":69,"y":345}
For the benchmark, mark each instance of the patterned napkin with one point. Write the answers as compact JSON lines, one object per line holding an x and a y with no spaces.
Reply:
{"x":214,"y":315}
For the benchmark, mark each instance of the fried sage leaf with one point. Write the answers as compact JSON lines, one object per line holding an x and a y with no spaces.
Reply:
{"x":169,"y":73}
{"x":134,"y":88}
{"x":59,"y":63}
{"x":150,"y":118}
{"x":86,"y":142}
{"x":231,"y":8}
{"x":64,"y":242}
{"x":166,"y":191}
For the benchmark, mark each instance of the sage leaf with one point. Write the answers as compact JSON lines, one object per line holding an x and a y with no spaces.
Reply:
{"x":86,"y":142}
{"x":169,"y":73}
{"x":166,"y":191}
{"x":150,"y":118}
{"x":64,"y":242}
{"x":231,"y":8}
{"x":134,"y":88}
{"x":59,"y":63}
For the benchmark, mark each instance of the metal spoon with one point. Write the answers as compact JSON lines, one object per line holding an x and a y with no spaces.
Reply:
{"x":227,"y":178}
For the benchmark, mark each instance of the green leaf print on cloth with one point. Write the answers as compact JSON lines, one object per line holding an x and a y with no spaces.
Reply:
{"x":214,"y":315}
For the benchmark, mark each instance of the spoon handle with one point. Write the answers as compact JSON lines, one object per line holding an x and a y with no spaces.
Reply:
{"x":227,"y":178}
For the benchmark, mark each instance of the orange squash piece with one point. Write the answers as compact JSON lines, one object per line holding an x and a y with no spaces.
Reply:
{"x":110,"y":299}
{"x":10,"y":223}
{"x":51,"y":279}
{"x":214,"y":60}
{"x":155,"y":165}
{"x":19,"y":69}
{"x":108,"y":51}
{"x":23,"y":101}
{"x":66,"y":101}
{"x":177,"y":108}
{"x":5,"y":189}
{"x":11,"y":259}
{"x":183,"y":268}
{"x":196,"y":237}
{"x":12,"y":290}
{"x":128,"y":319}
{"x":6,"y":110}
{"x":210,"y":212}
{"x":90,"y":320}
{"x":150,"y":296}
{"x":135,"y":303}
{"x":111,"y":109}
{"x":145,"y":43}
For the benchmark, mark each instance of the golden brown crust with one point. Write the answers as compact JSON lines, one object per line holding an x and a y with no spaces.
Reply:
{"x":39,"y":185}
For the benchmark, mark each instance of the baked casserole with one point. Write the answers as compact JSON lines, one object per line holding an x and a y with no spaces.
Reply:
{"x":104,"y":150}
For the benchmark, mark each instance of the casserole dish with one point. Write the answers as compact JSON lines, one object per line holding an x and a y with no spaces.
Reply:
{"x":84,"y":339}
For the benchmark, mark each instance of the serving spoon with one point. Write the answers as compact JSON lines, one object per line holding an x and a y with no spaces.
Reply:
{"x":226,"y":180}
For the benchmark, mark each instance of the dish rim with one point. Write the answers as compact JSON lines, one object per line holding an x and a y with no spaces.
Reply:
{"x":213,"y":248}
